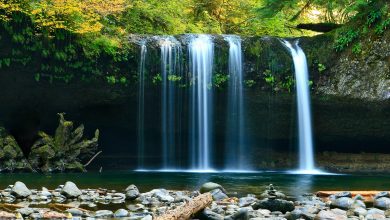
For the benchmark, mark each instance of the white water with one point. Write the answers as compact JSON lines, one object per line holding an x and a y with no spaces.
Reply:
{"x":306,"y":155}
{"x":234,"y":147}
{"x":170,"y":54}
{"x":201,"y":52}
{"x":141,"y":106}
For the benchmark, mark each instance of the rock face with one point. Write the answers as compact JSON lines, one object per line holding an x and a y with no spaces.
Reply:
{"x":210,"y":186}
{"x":20,"y":190}
{"x":70,"y":190}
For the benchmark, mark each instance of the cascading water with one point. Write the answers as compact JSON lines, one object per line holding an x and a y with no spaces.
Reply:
{"x":234,"y":147}
{"x":306,"y":155}
{"x":141,"y":106}
{"x":170,"y":71}
{"x":201,"y":52}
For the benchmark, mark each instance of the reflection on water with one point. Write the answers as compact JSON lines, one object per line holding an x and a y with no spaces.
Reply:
{"x":242,"y":184}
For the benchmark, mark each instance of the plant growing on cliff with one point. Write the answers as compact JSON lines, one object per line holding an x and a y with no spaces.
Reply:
{"x":65,"y":150}
{"x":11,"y":156}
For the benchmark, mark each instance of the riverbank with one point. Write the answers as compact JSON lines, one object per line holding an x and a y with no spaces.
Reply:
{"x":67,"y":201}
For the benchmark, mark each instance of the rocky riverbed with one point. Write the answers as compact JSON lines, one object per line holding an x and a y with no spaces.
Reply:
{"x":67,"y":201}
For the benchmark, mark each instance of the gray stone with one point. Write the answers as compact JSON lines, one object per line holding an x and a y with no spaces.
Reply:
{"x":20,"y":190}
{"x":343,"y":203}
{"x":241,"y":214}
{"x":163,"y":195}
{"x":75,"y":212}
{"x":121,"y":213}
{"x":70,"y":190}
{"x":25,"y":211}
{"x":132,"y":192}
{"x":358,"y":211}
{"x":330,"y":215}
{"x":103,"y":214}
{"x":210,"y":186}
{"x":382,"y":203}
{"x":247,"y":201}
{"x":218,"y":195}
{"x":382,"y":194}
{"x":207,"y":214}
{"x":343,"y":194}
{"x":274,"y":205}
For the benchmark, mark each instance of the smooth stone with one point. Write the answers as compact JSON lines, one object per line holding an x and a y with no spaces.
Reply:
{"x":274,"y":205}
{"x":70,"y":190}
{"x":75,"y":212}
{"x":148,"y":217}
{"x":163,"y":196}
{"x":246,"y":201}
{"x":121,"y":213}
{"x":375,"y":211}
{"x":359,"y":197}
{"x":360,"y":211}
{"x":329,"y":215}
{"x":343,"y":203}
{"x":210,"y":186}
{"x":278,"y":195}
{"x":343,"y":194}
{"x":218,"y":195}
{"x":20,"y":190}
{"x":132,"y":192}
{"x":241,"y":214}
{"x":25,"y":211}
{"x":382,"y":203}
{"x":59,"y":199}
{"x":382,"y":194}
{"x":103,"y":214}
{"x":207,"y":214}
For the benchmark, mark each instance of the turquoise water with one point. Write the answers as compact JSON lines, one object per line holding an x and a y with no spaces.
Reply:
{"x":235,"y":183}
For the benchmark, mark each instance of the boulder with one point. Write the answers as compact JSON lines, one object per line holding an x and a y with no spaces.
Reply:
{"x":382,"y":194}
{"x":382,"y":203}
{"x":330,"y":215}
{"x":274,"y":205}
{"x":207,"y":214}
{"x":20,"y":190}
{"x":218,"y":195}
{"x":70,"y":190}
{"x":210,"y":186}
{"x":120,"y":213}
{"x":132,"y":192}
{"x":247,"y":201}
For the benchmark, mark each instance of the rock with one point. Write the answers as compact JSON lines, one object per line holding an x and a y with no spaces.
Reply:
{"x":75,"y":212}
{"x":210,"y":186}
{"x":148,"y":217}
{"x":241,"y":214}
{"x":247,"y":201}
{"x":274,"y":205}
{"x":343,"y":194}
{"x":358,"y":197}
{"x":163,"y":195}
{"x":25,"y":211}
{"x":59,"y":199}
{"x":20,"y":190}
{"x":121,"y":213}
{"x":381,"y":195}
{"x":53,"y":215}
{"x":374,"y":213}
{"x":358,"y":211}
{"x":132,"y":192}
{"x":218,"y":195}
{"x":207,"y":214}
{"x":343,"y":203}
{"x":382,"y":203}
{"x":7,"y":215}
{"x":329,"y":215}
{"x":103,"y":214}
{"x":70,"y":190}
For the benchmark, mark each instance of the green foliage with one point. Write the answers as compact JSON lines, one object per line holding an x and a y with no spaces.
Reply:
{"x":219,"y":80}
{"x":269,"y":78}
{"x":249,"y":83}
{"x":174,"y":78}
{"x":357,"y":48}
{"x":345,"y":39}
{"x":157,"y":79}
{"x":321,"y":67}
{"x":111,"y":80}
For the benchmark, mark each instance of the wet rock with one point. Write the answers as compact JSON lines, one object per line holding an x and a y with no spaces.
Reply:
{"x":163,"y":195}
{"x":241,"y":214}
{"x":20,"y":190}
{"x":103,"y":214}
{"x":132,"y":192}
{"x":247,"y":201}
{"x":274,"y":205}
{"x":382,"y":203}
{"x":381,"y":195}
{"x":343,"y":194}
{"x":121,"y":213}
{"x":210,"y":186}
{"x":75,"y":212}
{"x":358,"y":211}
{"x":70,"y":190}
{"x":330,"y":215}
{"x":25,"y":211}
{"x":272,"y":193}
{"x":347,"y":203}
{"x":207,"y":214}
{"x":218,"y":195}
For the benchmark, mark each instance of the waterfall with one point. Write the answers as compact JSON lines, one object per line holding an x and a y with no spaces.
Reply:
{"x":201,"y":52}
{"x":234,"y":147}
{"x":306,"y":155}
{"x":141,"y":106}
{"x":170,"y":72}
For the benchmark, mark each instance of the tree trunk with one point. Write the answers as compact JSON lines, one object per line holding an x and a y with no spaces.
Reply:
{"x":189,"y":209}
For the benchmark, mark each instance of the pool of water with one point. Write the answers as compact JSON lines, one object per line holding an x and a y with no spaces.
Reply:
{"x":235,"y":183}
